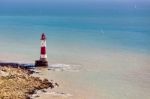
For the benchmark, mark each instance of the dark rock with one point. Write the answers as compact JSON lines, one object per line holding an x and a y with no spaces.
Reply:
{"x":37,"y":96}
{"x":56,"y":84}
{"x":43,"y":90}
{"x":28,"y":97}
{"x":31,"y":91}
{"x":40,"y":63}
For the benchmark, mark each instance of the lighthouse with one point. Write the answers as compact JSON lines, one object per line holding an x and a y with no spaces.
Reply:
{"x":43,"y":55}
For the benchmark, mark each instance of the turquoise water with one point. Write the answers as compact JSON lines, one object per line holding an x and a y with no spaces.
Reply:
{"x":111,"y":47}
{"x":74,"y":34}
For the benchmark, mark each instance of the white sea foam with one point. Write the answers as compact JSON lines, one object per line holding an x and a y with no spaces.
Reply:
{"x":59,"y":94}
{"x":50,"y":93}
{"x":60,"y":66}
{"x":64,"y":67}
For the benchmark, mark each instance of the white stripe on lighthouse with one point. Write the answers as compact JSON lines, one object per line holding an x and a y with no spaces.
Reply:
{"x":43,"y":56}
{"x":43,"y":43}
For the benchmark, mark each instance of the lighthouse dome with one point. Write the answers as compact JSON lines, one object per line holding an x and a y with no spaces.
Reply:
{"x":43,"y":37}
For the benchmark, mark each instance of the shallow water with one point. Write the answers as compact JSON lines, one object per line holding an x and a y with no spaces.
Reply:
{"x":118,"y":78}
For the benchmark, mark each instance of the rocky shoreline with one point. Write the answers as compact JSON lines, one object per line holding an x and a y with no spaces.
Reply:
{"x":17,"y":83}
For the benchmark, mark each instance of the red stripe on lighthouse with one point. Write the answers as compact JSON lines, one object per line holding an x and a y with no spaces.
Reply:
{"x":43,"y":50}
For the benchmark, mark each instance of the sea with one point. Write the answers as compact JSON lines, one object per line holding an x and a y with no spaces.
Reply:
{"x":92,"y":55}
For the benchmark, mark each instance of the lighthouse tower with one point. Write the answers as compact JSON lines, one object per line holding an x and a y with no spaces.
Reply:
{"x":43,"y":56}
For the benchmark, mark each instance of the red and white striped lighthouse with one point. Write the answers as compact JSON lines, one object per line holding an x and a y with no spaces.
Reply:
{"x":43,"y":56}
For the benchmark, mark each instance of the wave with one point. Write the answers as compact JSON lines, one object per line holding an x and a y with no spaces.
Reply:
{"x":59,"y":94}
{"x":64,"y":67}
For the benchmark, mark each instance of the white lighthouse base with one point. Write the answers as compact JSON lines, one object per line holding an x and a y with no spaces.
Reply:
{"x":41,"y":63}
